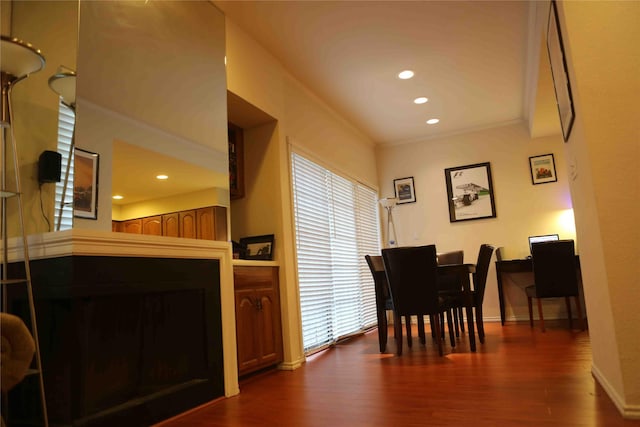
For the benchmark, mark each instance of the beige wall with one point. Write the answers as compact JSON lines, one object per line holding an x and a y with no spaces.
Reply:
{"x":522,"y":209}
{"x":601,"y":42}
{"x":305,"y":122}
{"x":52,"y":28}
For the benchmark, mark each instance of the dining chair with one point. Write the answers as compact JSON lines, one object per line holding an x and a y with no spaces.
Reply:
{"x":451,"y":283}
{"x":384,"y":302}
{"x":412,"y":274}
{"x":475,"y":298}
{"x":554,"y":275}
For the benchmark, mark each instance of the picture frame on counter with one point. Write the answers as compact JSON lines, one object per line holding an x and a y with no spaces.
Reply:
{"x":258,"y":247}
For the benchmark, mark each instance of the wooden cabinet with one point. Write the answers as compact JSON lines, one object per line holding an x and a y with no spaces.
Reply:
{"x":236,"y":162}
{"x":133,"y":226}
{"x":258,"y":323}
{"x":209,"y":223}
{"x":170,"y":225}
{"x":152,"y":225}
{"x":212,"y":223}
{"x":187,"y":222}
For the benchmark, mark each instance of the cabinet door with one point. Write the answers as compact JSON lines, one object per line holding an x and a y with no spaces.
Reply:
{"x":117,"y":226}
{"x":236,"y":162}
{"x":170,"y":225}
{"x":246,"y":333}
{"x":152,"y":225}
{"x":188,"y":222}
{"x":269,"y":327}
{"x":133,"y":226}
{"x":205,"y":228}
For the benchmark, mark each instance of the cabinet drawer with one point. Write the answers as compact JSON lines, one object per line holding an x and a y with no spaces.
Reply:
{"x":245,"y":276}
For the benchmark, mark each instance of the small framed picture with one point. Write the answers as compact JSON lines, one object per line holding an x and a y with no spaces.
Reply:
{"x":258,"y":247}
{"x":470,"y":192}
{"x":85,"y":184}
{"x":543,"y":169}
{"x":405,"y":190}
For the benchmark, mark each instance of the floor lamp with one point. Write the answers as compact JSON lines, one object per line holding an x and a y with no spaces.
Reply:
{"x":19,"y":60}
{"x":389,"y":203}
{"x":64,"y":84}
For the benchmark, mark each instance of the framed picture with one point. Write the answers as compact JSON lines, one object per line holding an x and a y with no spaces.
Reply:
{"x":85,"y":184}
{"x":470,"y":192}
{"x":405,"y":190}
{"x":561,"y":83}
{"x":258,"y":247}
{"x":543,"y":169}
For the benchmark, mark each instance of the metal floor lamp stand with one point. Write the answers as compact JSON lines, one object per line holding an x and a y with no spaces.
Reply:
{"x":19,"y":59}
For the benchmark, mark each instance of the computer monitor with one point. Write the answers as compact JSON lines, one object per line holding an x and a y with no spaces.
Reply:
{"x":544,"y":238}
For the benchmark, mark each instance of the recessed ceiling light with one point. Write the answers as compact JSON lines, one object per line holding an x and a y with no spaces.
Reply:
{"x":406,"y":74}
{"x":432,"y":121}
{"x":421,"y":100}
{"x":118,"y":197}
{"x":162,"y":176}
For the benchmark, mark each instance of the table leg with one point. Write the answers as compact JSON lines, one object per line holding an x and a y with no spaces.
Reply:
{"x":500,"y":291}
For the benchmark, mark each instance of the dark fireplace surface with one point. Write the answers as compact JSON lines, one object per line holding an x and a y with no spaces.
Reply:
{"x":125,"y":341}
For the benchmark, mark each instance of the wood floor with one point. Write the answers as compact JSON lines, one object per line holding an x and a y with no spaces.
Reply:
{"x":518,"y":377}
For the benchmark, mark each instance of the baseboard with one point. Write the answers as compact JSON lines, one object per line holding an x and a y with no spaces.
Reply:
{"x":631,"y":412}
{"x":291,"y":366}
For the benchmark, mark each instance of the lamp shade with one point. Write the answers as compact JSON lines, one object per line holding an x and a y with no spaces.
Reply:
{"x":19,"y":58}
{"x":388,"y":202}
{"x":64,"y":84}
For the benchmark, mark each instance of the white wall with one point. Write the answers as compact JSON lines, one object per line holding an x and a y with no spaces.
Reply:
{"x":601,"y":44}
{"x":302,"y":119}
{"x":522,"y":209}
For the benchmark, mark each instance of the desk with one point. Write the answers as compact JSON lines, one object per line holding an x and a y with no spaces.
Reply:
{"x":514,"y":266}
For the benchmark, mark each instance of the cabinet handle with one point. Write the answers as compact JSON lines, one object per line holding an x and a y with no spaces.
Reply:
{"x":258,"y":303}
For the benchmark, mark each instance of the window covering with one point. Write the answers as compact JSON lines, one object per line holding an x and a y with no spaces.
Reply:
{"x":336,"y":221}
{"x":66,"y":122}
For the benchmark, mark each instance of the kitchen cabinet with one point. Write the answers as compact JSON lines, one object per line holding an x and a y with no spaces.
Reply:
{"x":187,"y":222}
{"x":258,"y":321}
{"x":152,"y":225}
{"x":171,"y":225}
{"x":208,"y":223}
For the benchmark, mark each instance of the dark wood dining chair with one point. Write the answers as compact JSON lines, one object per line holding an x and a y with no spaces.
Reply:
{"x":554,"y":275}
{"x":450,"y":283}
{"x":412,"y":274}
{"x":384,"y":302}
{"x":474,"y":298}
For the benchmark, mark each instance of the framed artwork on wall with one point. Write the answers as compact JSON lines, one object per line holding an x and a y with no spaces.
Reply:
{"x":561,"y":84}
{"x":470,"y":192}
{"x":405,"y":190}
{"x":85,"y":184}
{"x":543,"y":169}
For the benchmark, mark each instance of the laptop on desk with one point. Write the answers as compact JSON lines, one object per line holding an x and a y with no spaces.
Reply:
{"x":543,"y":238}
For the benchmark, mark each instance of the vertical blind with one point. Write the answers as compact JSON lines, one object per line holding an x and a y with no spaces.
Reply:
{"x":66,"y":122}
{"x":336,"y":221}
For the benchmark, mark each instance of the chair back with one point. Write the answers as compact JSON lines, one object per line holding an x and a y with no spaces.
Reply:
{"x":379,"y":276}
{"x":450,"y":282}
{"x":453,"y":257}
{"x":554,"y":268}
{"x":482,"y":270}
{"x":412,"y":274}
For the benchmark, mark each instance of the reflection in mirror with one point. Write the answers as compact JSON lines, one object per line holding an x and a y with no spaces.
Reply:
{"x":186,"y":185}
{"x":52,"y":27}
{"x":152,"y":92}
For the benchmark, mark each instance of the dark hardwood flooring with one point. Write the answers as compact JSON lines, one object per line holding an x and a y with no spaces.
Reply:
{"x":518,"y":377}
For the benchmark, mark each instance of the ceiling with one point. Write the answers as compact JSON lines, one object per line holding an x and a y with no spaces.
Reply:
{"x":475,"y":61}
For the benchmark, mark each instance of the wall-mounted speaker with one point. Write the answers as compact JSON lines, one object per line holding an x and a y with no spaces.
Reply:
{"x":49,"y":167}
